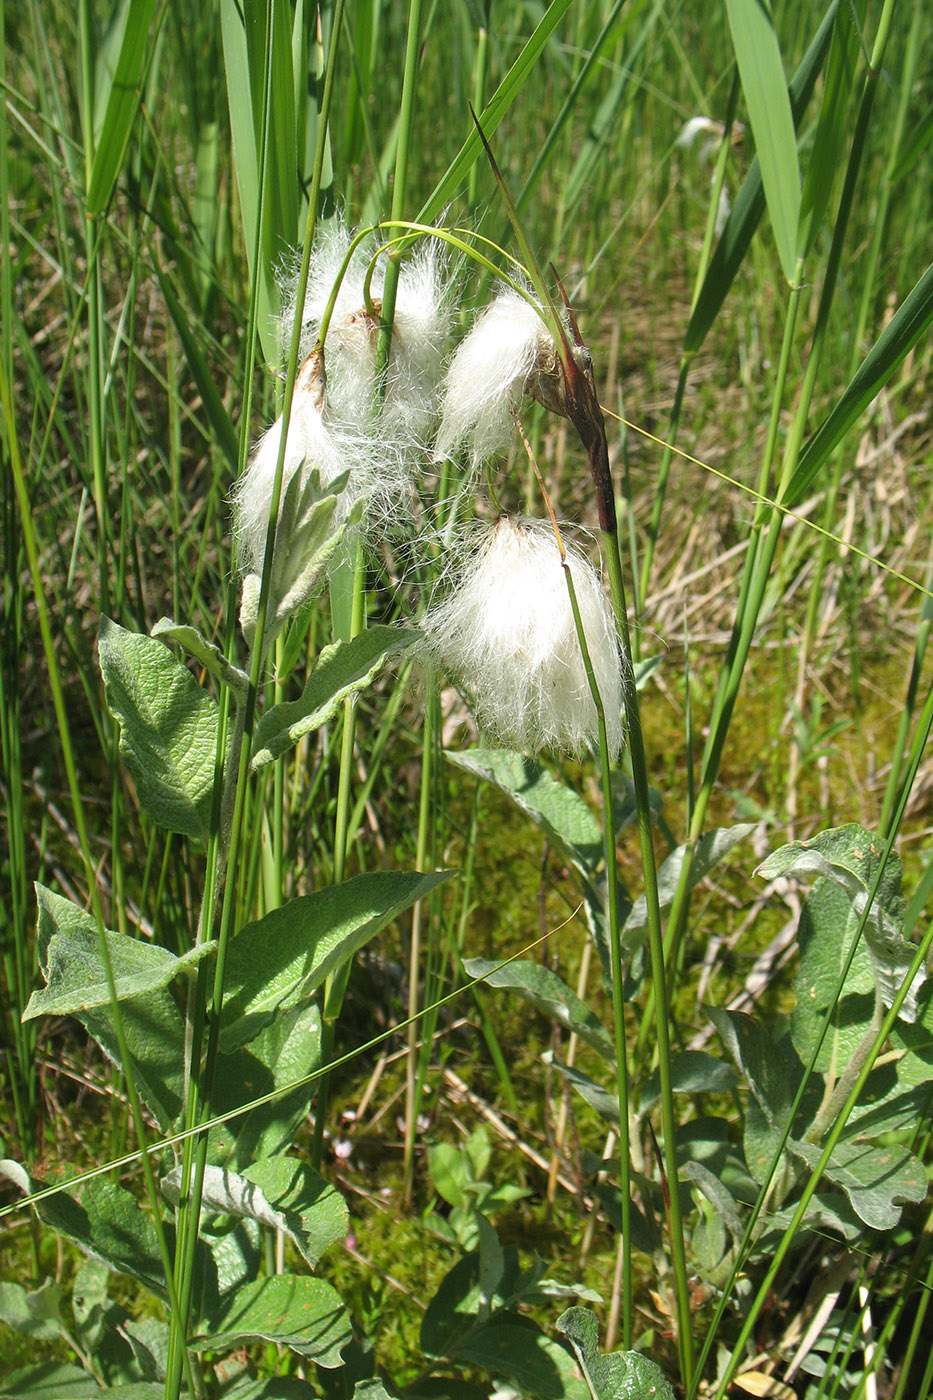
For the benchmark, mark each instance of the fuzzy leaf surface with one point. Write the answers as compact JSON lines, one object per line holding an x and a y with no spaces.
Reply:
{"x":877,"y":1180}
{"x":550,"y":995}
{"x":692,"y":1072}
{"x":281,"y":958}
{"x":605,"y":1103}
{"x":284,"y":1053}
{"x":168,"y":728}
{"x":276,"y":1388}
{"x":74,"y":969}
{"x":535,"y":1364}
{"x":54,"y":1381}
{"x":460,"y":1302}
{"x":771,"y":1074}
{"x":851,"y":856}
{"x":305,"y":1314}
{"x":279,"y":1193}
{"x":206,"y":653}
{"x":825,"y":932}
{"x":342,"y":669}
{"x":36,"y":1314}
{"x":561,"y":814}
{"x":152,"y":1027}
{"x":620,"y":1375}
{"x":106,"y":1223}
{"x":711,"y":848}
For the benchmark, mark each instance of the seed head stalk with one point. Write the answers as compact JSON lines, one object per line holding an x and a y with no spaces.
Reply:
{"x":581,"y":406}
{"x":612,"y":900}
{"x":611,"y":551}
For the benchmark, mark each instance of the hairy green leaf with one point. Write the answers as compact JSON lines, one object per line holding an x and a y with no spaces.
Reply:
{"x":168,"y":728}
{"x":281,"y":958}
{"x":208,"y":654}
{"x":74,"y":969}
{"x":54,"y":1381}
{"x":342,"y":669}
{"x":106,"y":1222}
{"x":560,"y":813}
{"x":280,"y":1193}
{"x":878,"y":1180}
{"x":552,"y":997}
{"x":285,"y":1053}
{"x":36,"y":1314}
{"x":712,"y":847}
{"x":851,"y":856}
{"x":619,"y":1375}
{"x":305,"y":1314}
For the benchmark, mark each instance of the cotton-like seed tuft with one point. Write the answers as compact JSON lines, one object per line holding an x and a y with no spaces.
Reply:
{"x":508,"y":349}
{"x":506,"y":630}
{"x":309,"y":444}
{"x":421,"y":330}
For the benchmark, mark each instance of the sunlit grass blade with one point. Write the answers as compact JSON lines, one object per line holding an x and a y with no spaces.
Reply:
{"x":827,"y":152}
{"x":214,"y":409}
{"x":909,"y":323}
{"x":769,"y":111}
{"x":750,"y":202}
{"x":122,"y":102}
{"x":248,"y":51}
{"x":492,"y":114}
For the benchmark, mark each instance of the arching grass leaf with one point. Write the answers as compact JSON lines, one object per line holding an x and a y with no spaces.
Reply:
{"x":769,"y":111}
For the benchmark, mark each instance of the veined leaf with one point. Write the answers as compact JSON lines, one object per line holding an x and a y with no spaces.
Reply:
{"x":168,"y":728}
{"x":342,"y":669}
{"x":280,"y":1193}
{"x":552,"y":997}
{"x":850,"y":856}
{"x":557,"y":809}
{"x":618,"y":1375}
{"x":75,"y":976}
{"x":305,"y":1314}
{"x":281,"y":958}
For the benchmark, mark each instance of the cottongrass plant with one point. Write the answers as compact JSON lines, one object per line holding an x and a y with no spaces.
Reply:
{"x":507,"y":355}
{"x":507,"y":630}
{"x":342,"y":310}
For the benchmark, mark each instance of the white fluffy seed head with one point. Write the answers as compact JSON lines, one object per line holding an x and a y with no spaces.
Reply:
{"x":506,"y":630}
{"x":421,"y":330}
{"x":309,"y":444}
{"x":489,"y":374}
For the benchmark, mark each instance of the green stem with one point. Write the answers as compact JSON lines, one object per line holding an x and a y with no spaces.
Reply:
{"x":917,"y":749}
{"x":788,"y":1237}
{"x":611,"y":551}
{"x":414,"y":1080}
